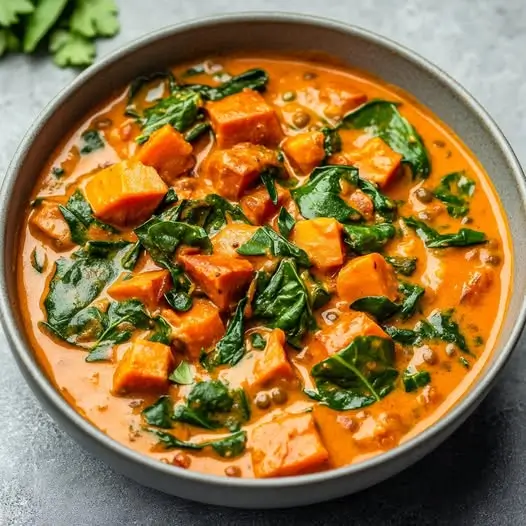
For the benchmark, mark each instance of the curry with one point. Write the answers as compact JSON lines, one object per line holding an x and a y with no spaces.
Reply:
{"x":263,"y":266}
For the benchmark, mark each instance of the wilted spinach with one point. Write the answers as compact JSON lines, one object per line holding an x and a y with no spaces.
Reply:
{"x":162,"y":331}
{"x":414,"y":379}
{"x":332,"y":142}
{"x":318,"y":294}
{"x":364,"y":239}
{"x":357,"y":376}
{"x":159,"y":414}
{"x":402,"y":265}
{"x":285,"y":223}
{"x":91,"y":141}
{"x":258,"y":341}
{"x":179,"y":300}
{"x":455,"y":190}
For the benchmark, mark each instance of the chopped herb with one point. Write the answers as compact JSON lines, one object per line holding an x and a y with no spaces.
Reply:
{"x":91,"y":142}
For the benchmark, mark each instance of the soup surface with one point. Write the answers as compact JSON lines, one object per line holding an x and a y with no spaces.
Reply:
{"x":263,"y":266}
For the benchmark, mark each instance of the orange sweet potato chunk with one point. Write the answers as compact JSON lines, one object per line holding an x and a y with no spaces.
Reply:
{"x":199,"y":328}
{"x":231,"y":237}
{"x":221,"y":278}
{"x":233,"y":171}
{"x":244,"y":117}
{"x":289,"y":445}
{"x":339,"y":100}
{"x":272,"y":363}
{"x":144,"y":367}
{"x":349,"y":325}
{"x":368,"y":275}
{"x":148,"y":287}
{"x":168,"y":152}
{"x":48,"y":220}
{"x":305,"y":151}
{"x":126,"y":193}
{"x":258,"y":207}
{"x":322,"y":240}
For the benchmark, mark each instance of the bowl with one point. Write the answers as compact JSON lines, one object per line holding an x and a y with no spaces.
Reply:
{"x":284,"y":32}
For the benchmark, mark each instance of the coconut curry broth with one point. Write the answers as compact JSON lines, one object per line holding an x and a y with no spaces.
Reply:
{"x":331,"y":388}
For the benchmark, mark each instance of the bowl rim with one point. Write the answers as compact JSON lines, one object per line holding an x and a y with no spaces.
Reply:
{"x":24,"y":354}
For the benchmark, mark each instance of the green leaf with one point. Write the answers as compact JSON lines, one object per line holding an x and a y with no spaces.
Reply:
{"x":40,"y":21}
{"x":71,"y":49}
{"x":381,"y":118}
{"x":283,"y":303}
{"x":255,"y":79}
{"x":38,"y":262}
{"x":285,"y":223}
{"x":160,"y":413}
{"x":455,"y":190}
{"x":463,"y":238}
{"x":402,"y":265}
{"x":380,"y":307}
{"x":131,"y":256}
{"x":332,"y":142}
{"x":8,"y":41}
{"x":143,"y":82}
{"x":269,"y":181}
{"x":230,"y":446}
{"x":414,"y":379}
{"x":178,"y":300}
{"x":257,"y":341}
{"x":364,"y":239}
{"x":196,"y":131}
{"x":231,"y":347}
{"x":10,"y":11}
{"x":412,"y":295}
{"x":169,"y":441}
{"x":320,"y":195}
{"x":357,"y":376}
{"x":91,"y":142}
{"x":383,"y":205}
{"x":93,"y":18}
{"x":162,"y":331}
{"x":266,"y":241}
{"x":318,"y":294}
{"x":183,"y":374}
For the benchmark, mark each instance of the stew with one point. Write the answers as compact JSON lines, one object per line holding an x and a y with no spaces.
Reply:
{"x":263,"y":266}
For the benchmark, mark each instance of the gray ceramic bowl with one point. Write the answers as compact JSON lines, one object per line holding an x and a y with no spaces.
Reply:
{"x":283,"y":32}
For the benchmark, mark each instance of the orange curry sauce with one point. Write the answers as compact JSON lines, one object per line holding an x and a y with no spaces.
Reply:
{"x":288,"y":432}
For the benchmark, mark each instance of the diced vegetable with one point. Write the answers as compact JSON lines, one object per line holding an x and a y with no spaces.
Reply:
{"x":321,"y":239}
{"x":288,"y":445}
{"x":221,"y":278}
{"x":126,"y":193}
{"x":231,"y":237}
{"x":148,"y":287}
{"x":244,"y":117}
{"x":144,"y":367}
{"x":199,"y":328}
{"x":233,"y":171}
{"x":258,"y":206}
{"x":48,"y":220}
{"x":367,"y":275}
{"x":272,"y":363}
{"x":305,"y":150}
{"x":167,"y":151}
{"x":338,"y":99}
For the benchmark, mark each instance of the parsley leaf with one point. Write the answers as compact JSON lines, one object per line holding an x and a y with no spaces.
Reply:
{"x":10,"y":10}
{"x":71,"y":49}
{"x":40,"y":21}
{"x":93,"y":18}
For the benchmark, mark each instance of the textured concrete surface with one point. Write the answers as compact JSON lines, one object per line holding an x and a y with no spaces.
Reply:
{"x":476,"y":477}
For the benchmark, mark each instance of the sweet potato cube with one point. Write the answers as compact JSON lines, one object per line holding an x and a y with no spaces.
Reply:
{"x":221,"y":278}
{"x":126,"y":193}
{"x":348,"y":326}
{"x":339,"y":100}
{"x":288,"y":445}
{"x":144,"y":367}
{"x":168,"y":152}
{"x":231,"y":237}
{"x":322,"y":240}
{"x":233,"y":171}
{"x":305,"y":151}
{"x":47,"y":219}
{"x":199,"y":328}
{"x":272,"y":363}
{"x":258,"y":206}
{"x":148,"y":287}
{"x":244,"y":117}
{"x":368,"y":275}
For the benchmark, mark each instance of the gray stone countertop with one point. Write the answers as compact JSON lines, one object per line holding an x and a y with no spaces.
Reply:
{"x":477,"y":477}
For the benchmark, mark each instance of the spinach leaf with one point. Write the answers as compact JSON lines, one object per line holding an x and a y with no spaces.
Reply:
{"x":231,"y":347}
{"x":211,"y":213}
{"x":122,"y":319}
{"x":131,"y":256}
{"x":318,"y":294}
{"x":402,"y":265}
{"x":38,"y":262}
{"x":455,"y":190}
{"x":91,"y":142}
{"x":162,"y":331}
{"x":413,"y":294}
{"x":414,"y":379}
{"x":139,"y":83}
{"x":381,"y":118}
{"x":258,"y":341}
{"x":196,"y":131}
{"x":364,"y":239}
{"x":101,"y":249}
{"x":269,"y":181}
{"x":380,"y":307}
{"x":183,"y":374}
{"x":169,"y":441}
{"x":357,"y":376}
{"x":383,"y":205}
{"x":285,"y":223}
{"x":179,"y":300}
{"x":266,"y":241}
{"x":180,"y":109}
{"x":320,"y":195}
{"x":332,"y":142}
{"x":283,"y":302}
{"x":463,"y":238}
{"x":255,"y":79}
{"x":160,"y":413}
